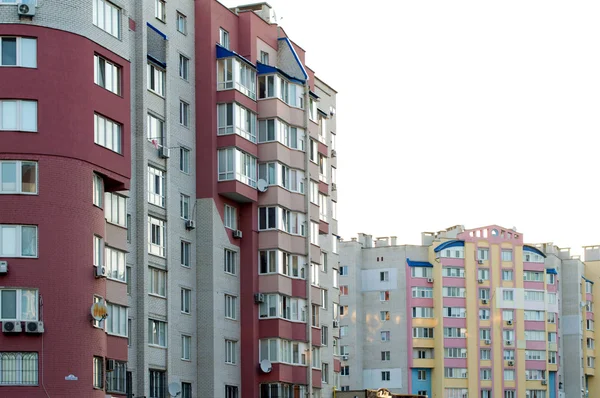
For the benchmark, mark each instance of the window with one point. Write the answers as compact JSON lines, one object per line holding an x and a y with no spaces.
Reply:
{"x":334,"y":210}
{"x":186,"y":252}
{"x":344,"y":270}
{"x":115,"y":379}
{"x":421,"y":272}
{"x":483,"y":274}
{"x":186,"y":390}
{"x":384,"y":276}
{"x":484,"y":314}
{"x":186,"y":347}
{"x":107,"y":17}
{"x":589,"y":324}
{"x":485,"y":374}
{"x":116,"y":322}
{"x":128,"y":278}
{"x":156,"y":186}
{"x":454,"y":332}
{"x":184,"y":67}
{"x":18,"y":177}
{"x":423,"y":333}
{"x":422,"y":292}
{"x":314,"y":319}
{"x":507,"y":255}
{"x":551,"y":298}
{"x":158,"y":282}
{"x":531,"y":374}
{"x":264,"y":57}
{"x":323,"y":208}
{"x":158,"y":383}
{"x":509,"y":393}
{"x":535,"y":335}
{"x":98,"y":190}
{"x":107,"y":133}
{"x":230,"y":351}
{"x":156,"y":130}
{"x":230,"y":307}
{"x":231,"y":392}
{"x":182,"y":27}
{"x":533,"y":315}
{"x":343,"y":309}
{"x":335,"y":278}
{"x":455,"y":353}
{"x":550,"y":279}
{"x":18,"y":240}
{"x":509,"y":374}
{"x":115,"y":209}
{"x":314,"y":233}
{"x":508,"y":335}
{"x":385,"y":375}
{"x":421,"y":375}
{"x":324,"y":335}
{"x":98,"y":251}
{"x":98,"y":370}
{"x":186,"y":300}
{"x":224,"y":38}
{"x":237,"y":165}
{"x":184,"y":113}
{"x":157,"y":237}
{"x":160,"y":9}
{"x":455,"y":373}
{"x":157,"y":333}
{"x":484,"y":334}
{"x":384,"y":296}
{"x":18,"y":51}
{"x":534,"y":295}
{"x":385,"y":355}
{"x":345,"y":371}
{"x":156,"y":79}
{"x":115,"y":263}
{"x":18,"y":305}
{"x":420,"y":312}
{"x":233,"y":118}
{"x":509,"y":355}
{"x":535,"y":393}
{"x":588,"y":287}
{"x":455,"y":312}
{"x":343,"y":331}
{"x":533,"y":276}
{"x":590,"y":343}
{"x":482,"y":254}
{"x":277,"y":261}
{"x":385,"y":336}
{"x":508,"y":295}
{"x":455,"y":393}
{"x":507,"y":315}
{"x":385,"y":315}
{"x":535,"y":355}
{"x":454,"y":272}
{"x":184,"y":160}
{"x":484,"y":294}
{"x":184,"y":206}
{"x":230,"y":262}
{"x":486,"y":393}
{"x":16,"y":115}
{"x":107,"y":75}
{"x":552,"y":357}
{"x":230,"y":217}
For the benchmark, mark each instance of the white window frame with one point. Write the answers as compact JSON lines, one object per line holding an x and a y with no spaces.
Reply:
{"x":231,"y":306}
{"x":111,"y":80}
{"x":115,"y":263}
{"x":157,"y":247}
{"x":158,"y":282}
{"x":20,"y":296}
{"x":181,"y":23}
{"x":17,"y":249}
{"x":115,"y":209}
{"x":230,"y":262}
{"x":186,"y":300}
{"x":104,"y":9}
{"x":156,"y":181}
{"x":156,"y":79}
{"x":157,"y":333}
{"x":186,"y":347}
{"x":184,"y":113}
{"x":18,"y":177}
{"x":186,"y":253}
{"x":230,"y":352}
{"x":98,"y":190}
{"x":116,"y":321}
{"x":224,"y":38}
{"x":21,"y":43}
{"x":184,"y":206}
{"x":234,"y":164}
{"x":22,"y":121}
{"x":184,"y":160}
{"x":230,"y":217}
{"x":160,"y":10}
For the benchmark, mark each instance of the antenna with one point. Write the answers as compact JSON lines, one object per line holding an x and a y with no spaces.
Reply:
{"x":262,"y":185}
{"x":174,"y":389}
{"x":265,"y":366}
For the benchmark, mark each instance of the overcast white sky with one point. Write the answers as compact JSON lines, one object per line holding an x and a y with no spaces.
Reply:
{"x":460,"y":112}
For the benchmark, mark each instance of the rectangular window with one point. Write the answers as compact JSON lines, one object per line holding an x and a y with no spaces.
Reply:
{"x":107,"y":133}
{"x":115,"y":263}
{"x":230,"y":307}
{"x":509,"y":355}
{"x":421,"y":375}
{"x":455,"y":373}
{"x":507,"y":275}
{"x":186,"y":300}
{"x":128,"y":278}
{"x":385,"y":336}
{"x":314,"y":233}
{"x":184,"y":113}
{"x":224,"y":38}
{"x":455,"y":312}
{"x":157,"y":333}
{"x":532,"y":276}
{"x":158,"y":384}
{"x":264,"y":57}
{"x":506,"y":255}
{"x":182,"y":27}
{"x":116,"y":322}
{"x":18,"y":51}
{"x":423,"y":333}
{"x":422,"y":292}
{"x":384,"y":296}
{"x":534,"y":295}
{"x":18,"y":177}
{"x":184,"y":160}
{"x":156,"y":186}
{"x":115,"y":209}
{"x":231,"y":392}
{"x":534,"y":315}
{"x":325,"y":373}
{"x":18,"y":240}
{"x":158,"y":282}
{"x":160,"y":9}
{"x":230,"y":352}
{"x":230,"y":217}
{"x":535,"y":335}
{"x":107,"y":75}
{"x":535,"y":355}
{"x":509,"y":374}
{"x":510,"y":394}
{"x":384,"y":276}
{"x":483,"y":274}
{"x":107,"y":17}
{"x":385,"y":375}
{"x":421,"y":312}
{"x":230,"y":261}
{"x":453,"y":272}
{"x":345,"y":371}
{"x":455,"y":353}
{"x":184,"y":206}
{"x":550,"y":279}
{"x":385,"y":315}
{"x":552,"y":357}
{"x":156,"y":79}
{"x":98,"y":190}
{"x":115,"y":378}
{"x":98,"y":369}
{"x":484,"y":314}
{"x":156,"y":130}
{"x":508,"y":295}
{"x":186,"y":347}
{"x":157,"y":237}
{"x":454,"y":332}
{"x":18,"y":305}
{"x":484,"y":294}
{"x":98,"y":324}
{"x":233,"y":118}
{"x":482,"y":254}
{"x":485,"y":334}
{"x":236,"y":165}
{"x":324,"y":335}
{"x":385,"y":355}
{"x":184,"y":67}
{"x":186,"y":253}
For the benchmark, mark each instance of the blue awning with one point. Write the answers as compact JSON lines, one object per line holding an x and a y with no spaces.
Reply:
{"x":533,"y":250}
{"x":587,"y":280}
{"x":450,"y":243}
{"x":551,"y":271}
{"x":222,"y":52}
{"x":262,"y":69}
{"x":418,"y":263}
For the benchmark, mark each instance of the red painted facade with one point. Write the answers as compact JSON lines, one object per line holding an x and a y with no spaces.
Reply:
{"x":67,"y":220}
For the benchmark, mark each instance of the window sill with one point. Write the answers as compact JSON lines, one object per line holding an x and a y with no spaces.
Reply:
{"x":20,"y":193}
{"x":157,"y":346}
{"x":157,"y":296}
{"x":115,"y":224}
{"x":117,"y":335}
{"x":185,"y":313}
{"x":186,"y":359}
{"x":155,"y":93}
{"x":118,"y":281}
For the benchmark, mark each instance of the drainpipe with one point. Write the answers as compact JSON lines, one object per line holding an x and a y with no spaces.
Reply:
{"x":309,"y":390}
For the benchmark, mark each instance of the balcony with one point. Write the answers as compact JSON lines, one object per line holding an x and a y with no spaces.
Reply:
{"x":423,"y":363}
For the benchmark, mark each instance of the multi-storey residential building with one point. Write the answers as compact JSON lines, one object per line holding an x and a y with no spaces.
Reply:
{"x":222,"y":254}
{"x":469,"y":312}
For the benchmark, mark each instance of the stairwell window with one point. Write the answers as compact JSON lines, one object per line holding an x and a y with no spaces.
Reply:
{"x":230,"y":217}
{"x":18,"y":241}
{"x":18,"y":51}
{"x":18,"y":177}
{"x":18,"y":115}
{"x":230,"y":352}
{"x":184,"y":113}
{"x":224,"y":38}
{"x":156,"y":237}
{"x":107,"y":75}
{"x":156,"y":79}
{"x":160,"y":10}
{"x":158,"y":282}
{"x":156,"y":186}
{"x":157,"y":333}
{"x":184,"y":206}
{"x":181,"y":23}
{"x":107,"y":17}
{"x":184,"y":67}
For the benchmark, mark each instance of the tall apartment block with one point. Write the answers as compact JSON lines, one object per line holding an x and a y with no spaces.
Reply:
{"x":467,"y":313}
{"x":167,"y":203}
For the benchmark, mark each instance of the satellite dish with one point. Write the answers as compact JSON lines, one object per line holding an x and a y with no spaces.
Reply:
{"x":174,"y":389}
{"x":262,"y":185}
{"x":265,"y":366}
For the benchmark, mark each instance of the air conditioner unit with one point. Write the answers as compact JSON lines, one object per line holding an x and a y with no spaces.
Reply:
{"x":190,"y":224}
{"x":259,"y":298}
{"x":333,"y":153}
{"x":11,"y":327}
{"x":345,"y":357}
{"x":479,"y":261}
{"x":26,"y":8}
{"x":484,"y":301}
{"x":336,"y":324}
{"x":3,"y":267}
{"x":101,"y":271}
{"x":34,"y":327}
{"x":479,"y":280}
{"x":164,"y":152}
{"x":488,"y":342}
{"x":508,"y":342}
{"x":333,"y":186}
{"x":509,"y":322}
{"x":511,"y":363}
{"x":544,"y":382}
{"x":237,"y":234}
{"x":430,"y":280}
